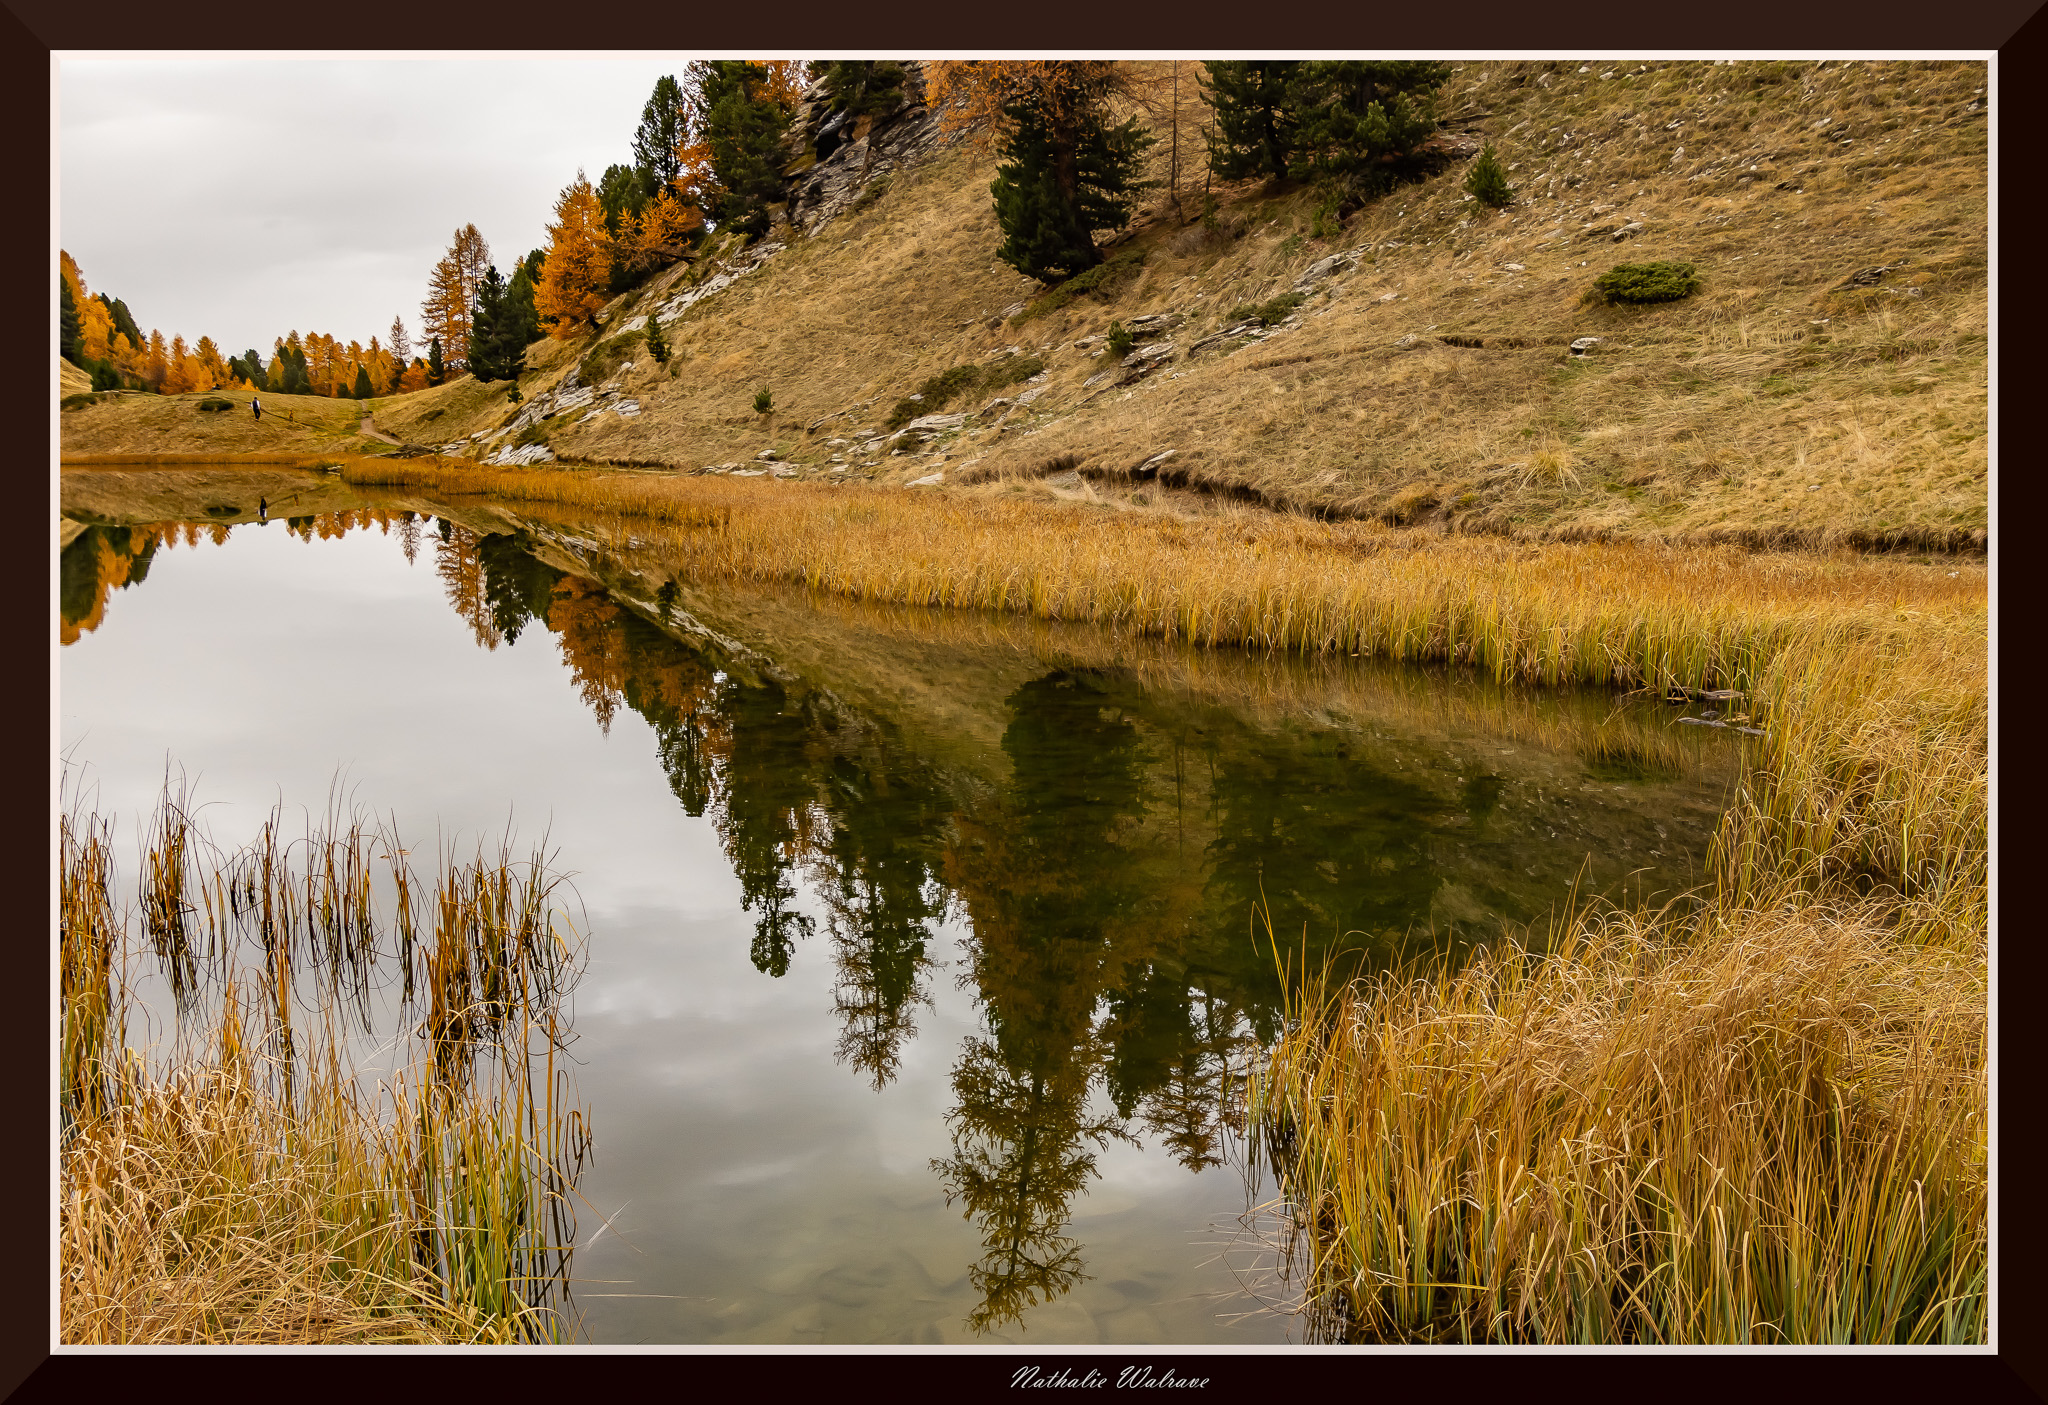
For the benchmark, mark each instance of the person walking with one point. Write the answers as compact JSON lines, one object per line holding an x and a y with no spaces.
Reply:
{"x":256,"y":407}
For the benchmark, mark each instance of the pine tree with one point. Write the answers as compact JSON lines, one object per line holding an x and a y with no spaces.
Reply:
{"x":401,"y":343}
{"x":1339,"y":121}
{"x":1253,"y":102}
{"x":1358,"y":116}
{"x":1487,"y":183}
{"x":620,"y":195}
{"x":737,"y":115}
{"x":363,"y":390}
{"x":487,"y":318}
{"x":663,"y":132}
{"x":436,"y":370}
{"x":1057,"y":187}
{"x":67,"y":325}
{"x":657,"y":344}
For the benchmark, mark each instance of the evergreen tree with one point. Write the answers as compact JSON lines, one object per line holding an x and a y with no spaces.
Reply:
{"x":663,"y":130}
{"x":250,"y":369}
{"x":856,"y":88}
{"x":620,"y":196}
{"x":1342,"y":121}
{"x":742,"y":123}
{"x":124,"y":324}
{"x":519,"y":323}
{"x":68,"y":333}
{"x":436,"y":372}
{"x":363,"y":391}
{"x":1253,"y":102}
{"x":1060,"y":182}
{"x":1357,"y":114}
{"x":657,"y":344}
{"x":1487,"y":182}
{"x":483,"y":326}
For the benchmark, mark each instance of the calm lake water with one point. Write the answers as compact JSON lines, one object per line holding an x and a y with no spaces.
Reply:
{"x":922,"y":945}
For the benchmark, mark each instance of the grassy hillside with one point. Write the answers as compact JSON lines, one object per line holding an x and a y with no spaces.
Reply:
{"x":134,"y":422}
{"x":1826,"y":386}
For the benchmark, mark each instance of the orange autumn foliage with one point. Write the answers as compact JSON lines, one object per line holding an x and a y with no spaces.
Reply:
{"x":578,"y":268}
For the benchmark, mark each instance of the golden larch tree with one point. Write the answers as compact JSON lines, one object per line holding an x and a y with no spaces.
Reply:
{"x":451,"y":293}
{"x":579,"y":263}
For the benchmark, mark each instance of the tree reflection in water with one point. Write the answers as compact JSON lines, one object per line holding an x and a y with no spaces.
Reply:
{"x":1107,"y":877}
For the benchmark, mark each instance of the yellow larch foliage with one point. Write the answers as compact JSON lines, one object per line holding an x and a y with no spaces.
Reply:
{"x":572,"y":281}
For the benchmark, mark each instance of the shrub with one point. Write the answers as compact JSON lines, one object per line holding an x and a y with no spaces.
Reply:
{"x":78,"y":402}
{"x":213,"y":405}
{"x":764,"y":401}
{"x":657,"y":344}
{"x":1270,"y":311}
{"x":1487,"y":183}
{"x":1647,"y":282}
{"x":1104,"y":280}
{"x":950,"y":384}
{"x":1120,"y":341}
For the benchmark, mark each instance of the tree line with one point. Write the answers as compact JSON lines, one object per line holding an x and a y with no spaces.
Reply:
{"x":710,"y":153}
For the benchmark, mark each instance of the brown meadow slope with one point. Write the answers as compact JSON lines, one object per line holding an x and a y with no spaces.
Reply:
{"x":1827,"y":385}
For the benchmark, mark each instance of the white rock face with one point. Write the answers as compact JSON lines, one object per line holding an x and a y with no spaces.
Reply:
{"x":930,"y":480}
{"x":531,"y":453}
{"x":935,"y":424}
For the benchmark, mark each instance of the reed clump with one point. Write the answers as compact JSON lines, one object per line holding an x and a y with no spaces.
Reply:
{"x":271,"y":1172}
{"x":1762,"y":1120}
{"x":1604,"y":614}
{"x":1761,"y":1126}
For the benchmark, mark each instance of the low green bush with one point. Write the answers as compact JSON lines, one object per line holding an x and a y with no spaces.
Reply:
{"x":608,"y":355}
{"x":79,"y":401}
{"x":1270,"y":311}
{"x":1104,"y":281}
{"x":1120,"y":341}
{"x":213,"y":405}
{"x":1647,"y":282}
{"x":955,"y":381}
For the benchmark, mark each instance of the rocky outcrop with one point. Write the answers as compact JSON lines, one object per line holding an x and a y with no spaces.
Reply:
{"x":844,"y":161}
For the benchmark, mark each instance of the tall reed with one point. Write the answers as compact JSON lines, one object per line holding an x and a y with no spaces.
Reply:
{"x":275,"y":1174}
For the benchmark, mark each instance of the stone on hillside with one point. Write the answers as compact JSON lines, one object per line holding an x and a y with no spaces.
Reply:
{"x":1149,"y":354}
{"x":783,"y":470}
{"x":1032,"y":394}
{"x":749,"y":473}
{"x":1628,"y":231}
{"x":1150,"y":466}
{"x":1152,"y":322}
{"x":1011,"y":311}
{"x":930,"y":480}
{"x":1582,"y":345}
{"x":935,"y":424}
{"x":1515,"y":267}
{"x":767,"y":454}
{"x":628,"y":408}
{"x":1410,"y":340}
{"x":719,"y":468}
{"x":1323,"y":269}
{"x":1001,"y":402}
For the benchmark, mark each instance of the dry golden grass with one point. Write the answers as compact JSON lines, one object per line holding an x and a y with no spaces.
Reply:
{"x":1775,"y":408}
{"x":1760,"y":1126}
{"x":136,"y":428}
{"x":71,"y":380}
{"x":1561,"y":612}
{"x":1760,"y":1121}
{"x":267,"y":1179}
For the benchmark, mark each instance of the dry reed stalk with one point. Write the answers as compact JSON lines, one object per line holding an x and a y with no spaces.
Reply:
{"x":260,"y":1189}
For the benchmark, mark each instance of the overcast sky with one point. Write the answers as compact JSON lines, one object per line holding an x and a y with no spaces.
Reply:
{"x":243,"y":198}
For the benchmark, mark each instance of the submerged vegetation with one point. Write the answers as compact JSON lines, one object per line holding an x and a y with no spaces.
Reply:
{"x":272,"y":1173}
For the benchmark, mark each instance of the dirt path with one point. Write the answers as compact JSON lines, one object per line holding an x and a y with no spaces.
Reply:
{"x":368,"y":429}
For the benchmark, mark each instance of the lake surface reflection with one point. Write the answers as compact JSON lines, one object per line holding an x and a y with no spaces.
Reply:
{"x":924,"y":955}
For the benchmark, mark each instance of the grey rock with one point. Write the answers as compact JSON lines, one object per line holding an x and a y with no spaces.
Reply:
{"x":627,"y":408}
{"x":930,"y":480}
{"x":1628,"y":231}
{"x":1582,"y":345}
{"x":1323,"y":269}
{"x":783,"y":470}
{"x":767,"y":454}
{"x":749,"y":473}
{"x":1150,"y":466}
{"x":1030,"y":395}
{"x":1151,"y":323}
{"x":935,"y":424}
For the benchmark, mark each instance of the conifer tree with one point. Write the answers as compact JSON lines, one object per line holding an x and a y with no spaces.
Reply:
{"x":401,"y":343}
{"x":1057,"y":187}
{"x":1357,"y":115}
{"x":620,"y":195}
{"x":657,"y":344}
{"x":1487,"y":183}
{"x":578,"y":264}
{"x":490,"y":329}
{"x":67,"y":325}
{"x":659,"y":139}
{"x":737,"y":115}
{"x":1253,"y":102}
{"x":436,"y":371}
{"x":363,"y":390}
